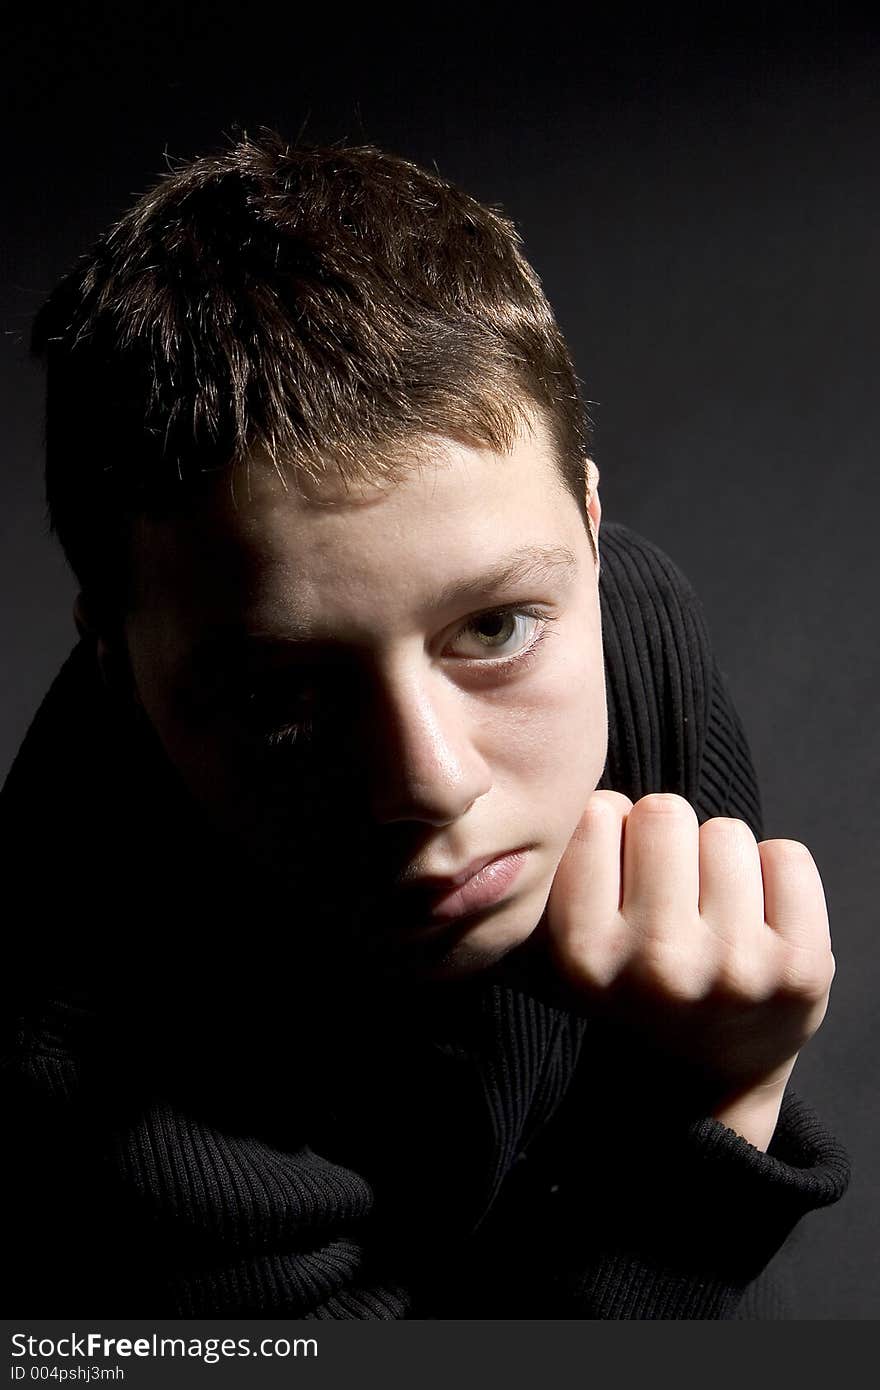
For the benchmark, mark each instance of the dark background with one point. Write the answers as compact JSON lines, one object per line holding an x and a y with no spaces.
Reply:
{"x":702,"y":206}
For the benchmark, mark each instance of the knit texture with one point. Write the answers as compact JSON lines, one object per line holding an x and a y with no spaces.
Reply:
{"x":197,"y":1127}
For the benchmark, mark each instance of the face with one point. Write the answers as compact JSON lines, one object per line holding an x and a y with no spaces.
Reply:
{"x":371,"y":687}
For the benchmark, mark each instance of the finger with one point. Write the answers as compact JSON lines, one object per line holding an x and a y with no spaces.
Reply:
{"x":661,"y":865}
{"x":794,"y":898}
{"x":585,"y":894}
{"x":731,"y":883}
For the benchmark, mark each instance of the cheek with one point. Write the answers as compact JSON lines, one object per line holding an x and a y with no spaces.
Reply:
{"x":551,"y":734}
{"x":214,"y":771}
{"x":560,"y":708}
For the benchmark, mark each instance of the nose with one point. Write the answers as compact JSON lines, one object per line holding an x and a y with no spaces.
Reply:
{"x":424,"y":763}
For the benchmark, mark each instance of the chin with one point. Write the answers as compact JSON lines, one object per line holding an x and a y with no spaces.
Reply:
{"x":478,"y":948}
{"x":460,"y":962}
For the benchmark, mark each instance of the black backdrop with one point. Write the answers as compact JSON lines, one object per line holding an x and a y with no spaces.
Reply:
{"x":701,"y":205}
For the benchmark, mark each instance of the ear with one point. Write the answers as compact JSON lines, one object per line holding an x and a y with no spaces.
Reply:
{"x":594,"y":507}
{"x":595,"y":511}
{"x":111,"y":653}
{"x":82,"y":618}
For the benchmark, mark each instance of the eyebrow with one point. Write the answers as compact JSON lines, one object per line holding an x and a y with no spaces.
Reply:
{"x":531,"y":564}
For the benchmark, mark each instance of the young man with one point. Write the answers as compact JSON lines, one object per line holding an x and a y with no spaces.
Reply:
{"x":398,"y":938}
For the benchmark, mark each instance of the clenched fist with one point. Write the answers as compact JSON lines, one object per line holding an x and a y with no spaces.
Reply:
{"x":714,"y":948}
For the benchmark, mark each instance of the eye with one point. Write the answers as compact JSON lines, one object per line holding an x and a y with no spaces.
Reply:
{"x":504,"y":632}
{"x":264,"y":709}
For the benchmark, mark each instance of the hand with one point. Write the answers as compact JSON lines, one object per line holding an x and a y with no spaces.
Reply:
{"x":713,"y":948}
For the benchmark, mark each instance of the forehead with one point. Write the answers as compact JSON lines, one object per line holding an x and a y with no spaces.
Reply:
{"x":329,"y":551}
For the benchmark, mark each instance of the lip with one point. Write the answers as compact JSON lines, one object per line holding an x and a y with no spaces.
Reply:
{"x":441,"y":883}
{"x":482,"y":884}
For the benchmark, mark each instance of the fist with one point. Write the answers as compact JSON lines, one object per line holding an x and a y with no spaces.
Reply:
{"x":711,"y":947}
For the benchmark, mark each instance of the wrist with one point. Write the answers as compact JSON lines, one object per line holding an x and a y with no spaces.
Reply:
{"x":753,"y":1116}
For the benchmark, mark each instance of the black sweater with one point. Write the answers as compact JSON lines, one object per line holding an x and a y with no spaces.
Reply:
{"x":199,"y":1126}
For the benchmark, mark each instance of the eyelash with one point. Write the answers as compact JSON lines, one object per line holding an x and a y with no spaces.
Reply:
{"x":299,"y":733}
{"x":524,"y":653}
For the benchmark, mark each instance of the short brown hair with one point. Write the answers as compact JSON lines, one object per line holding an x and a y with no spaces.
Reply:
{"x":315,"y":303}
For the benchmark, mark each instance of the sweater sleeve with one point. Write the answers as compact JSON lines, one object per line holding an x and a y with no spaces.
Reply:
{"x":631,"y":1203}
{"x":630,"y":1206}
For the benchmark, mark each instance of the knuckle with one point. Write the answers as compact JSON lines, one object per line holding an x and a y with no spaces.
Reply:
{"x":806,"y":973}
{"x":786,"y":851}
{"x":667,"y":805}
{"x":596,"y":959}
{"x":742,"y":975}
{"x":665,"y":971}
{"x":726,"y":826}
{"x":595,"y":974}
{"x":605,"y":800}
{"x":603,"y":809}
